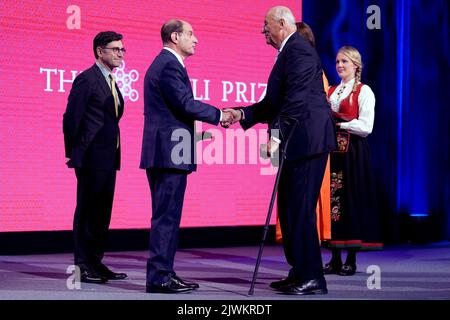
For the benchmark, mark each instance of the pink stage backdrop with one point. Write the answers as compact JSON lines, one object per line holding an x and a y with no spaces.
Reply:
{"x":45,"y":44}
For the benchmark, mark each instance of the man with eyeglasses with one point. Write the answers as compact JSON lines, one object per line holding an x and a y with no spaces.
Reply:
{"x":92,"y":144}
{"x":170,"y":111}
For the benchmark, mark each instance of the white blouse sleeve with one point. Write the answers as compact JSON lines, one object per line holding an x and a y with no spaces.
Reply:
{"x":363,"y":125}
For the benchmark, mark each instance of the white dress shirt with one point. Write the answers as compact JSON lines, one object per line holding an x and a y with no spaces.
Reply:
{"x":106,"y":73}
{"x":363,"y":125}
{"x":176,"y":55}
{"x":284,"y":42}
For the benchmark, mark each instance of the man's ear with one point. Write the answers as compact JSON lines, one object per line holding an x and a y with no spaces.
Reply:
{"x":174,"y":37}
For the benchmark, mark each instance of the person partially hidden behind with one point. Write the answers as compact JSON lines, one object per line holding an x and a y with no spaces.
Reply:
{"x":295,"y":95}
{"x":92,"y":144}
{"x":169,"y":114}
{"x":355,"y":221}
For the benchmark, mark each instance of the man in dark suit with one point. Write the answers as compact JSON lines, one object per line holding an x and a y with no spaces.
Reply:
{"x":295,"y":96}
{"x":168,"y":147}
{"x":92,"y":144}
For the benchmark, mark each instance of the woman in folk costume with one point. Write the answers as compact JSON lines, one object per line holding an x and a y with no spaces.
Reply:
{"x":354,"y":214}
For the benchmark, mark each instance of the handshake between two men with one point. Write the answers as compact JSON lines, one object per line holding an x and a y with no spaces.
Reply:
{"x":231,"y":116}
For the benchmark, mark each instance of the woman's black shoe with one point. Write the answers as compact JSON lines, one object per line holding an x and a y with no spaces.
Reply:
{"x":331,"y":268}
{"x":347,"y":270}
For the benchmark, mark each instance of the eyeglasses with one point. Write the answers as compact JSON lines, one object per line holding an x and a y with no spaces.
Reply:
{"x":116,"y":50}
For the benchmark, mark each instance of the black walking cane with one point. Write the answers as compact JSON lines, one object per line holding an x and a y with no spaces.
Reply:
{"x":274,"y":193}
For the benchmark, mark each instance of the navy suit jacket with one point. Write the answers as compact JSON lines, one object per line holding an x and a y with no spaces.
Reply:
{"x":295,"y":89}
{"x":170,"y":111}
{"x":90,"y":125}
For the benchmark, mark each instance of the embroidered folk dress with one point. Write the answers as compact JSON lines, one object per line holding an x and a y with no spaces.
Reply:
{"x":355,"y":221}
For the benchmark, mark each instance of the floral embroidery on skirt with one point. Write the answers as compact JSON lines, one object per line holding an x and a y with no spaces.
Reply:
{"x":336,"y":185}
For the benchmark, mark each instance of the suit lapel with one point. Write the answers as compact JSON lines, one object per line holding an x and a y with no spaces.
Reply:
{"x":102,"y":81}
{"x":122,"y":102}
{"x":287,"y":45}
{"x":274,"y":73}
{"x":107,"y":91}
{"x":182,"y":69}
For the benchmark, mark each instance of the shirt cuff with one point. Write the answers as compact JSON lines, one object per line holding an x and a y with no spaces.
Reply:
{"x":275,"y":139}
{"x":221,"y":115}
{"x":242,"y":114}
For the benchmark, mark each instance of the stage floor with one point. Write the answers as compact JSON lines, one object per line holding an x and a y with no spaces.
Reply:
{"x":405,"y":273}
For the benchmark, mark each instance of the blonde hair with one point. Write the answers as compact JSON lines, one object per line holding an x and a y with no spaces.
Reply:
{"x":354,"y":55}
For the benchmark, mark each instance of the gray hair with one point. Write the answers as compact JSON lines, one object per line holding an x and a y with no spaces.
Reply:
{"x":284,"y":13}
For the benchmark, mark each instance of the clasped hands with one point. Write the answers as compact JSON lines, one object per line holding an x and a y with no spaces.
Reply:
{"x":230,"y":116}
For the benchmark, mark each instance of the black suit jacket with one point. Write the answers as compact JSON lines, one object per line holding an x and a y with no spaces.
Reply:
{"x":295,"y":89}
{"x":170,"y":111}
{"x":90,"y":124}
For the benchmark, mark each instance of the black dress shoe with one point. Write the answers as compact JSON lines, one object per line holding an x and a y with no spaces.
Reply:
{"x":282,"y":283}
{"x":347,"y":270}
{"x":332,"y":268}
{"x":114,"y":275}
{"x":171,"y":286}
{"x":88,"y":276}
{"x":186,"y":283}
{"x":108,"y":274}
{"x":315,"y":286}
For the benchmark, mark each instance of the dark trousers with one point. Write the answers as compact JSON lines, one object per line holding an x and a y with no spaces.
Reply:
{"x":95,"y":193}
{"x":167,"y":188}
{"x":298,"y":191}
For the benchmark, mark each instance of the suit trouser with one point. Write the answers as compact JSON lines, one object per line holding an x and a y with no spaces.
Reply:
{"x":167,"y":188}
{"x":95,"y":194}
{"x":298,"y":191}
